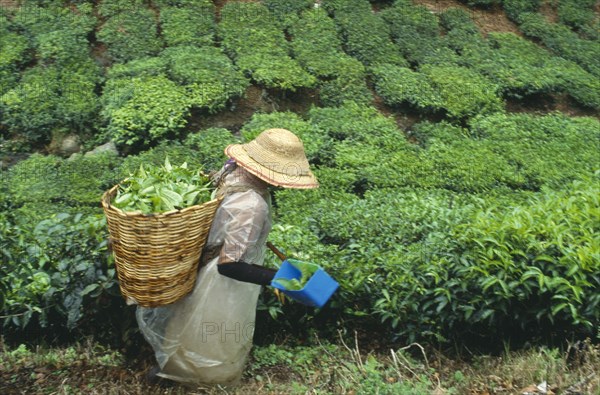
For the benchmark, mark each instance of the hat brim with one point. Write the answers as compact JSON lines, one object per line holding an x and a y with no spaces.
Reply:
{"x":297,"y":181}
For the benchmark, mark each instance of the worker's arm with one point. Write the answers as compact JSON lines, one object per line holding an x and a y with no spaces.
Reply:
{"x":242,"y":271}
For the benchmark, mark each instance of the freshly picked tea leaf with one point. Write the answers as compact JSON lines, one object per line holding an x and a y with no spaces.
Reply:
{"x":158,"y":189}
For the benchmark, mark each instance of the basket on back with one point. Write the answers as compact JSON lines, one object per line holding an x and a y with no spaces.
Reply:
{"x":157,"y":255}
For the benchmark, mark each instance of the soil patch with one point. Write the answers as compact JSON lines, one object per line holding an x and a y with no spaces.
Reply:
{"x":492,"y":19}
{"x":256,"y":99}
{"x":9,"y":3}
{"x":545,"y":104}
{"x":548,"y":10}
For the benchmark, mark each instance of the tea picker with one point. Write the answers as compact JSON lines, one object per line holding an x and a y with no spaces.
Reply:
{"x":205,"y":337}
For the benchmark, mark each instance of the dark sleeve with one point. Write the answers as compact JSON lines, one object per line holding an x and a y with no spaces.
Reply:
{"x":242,"y":271}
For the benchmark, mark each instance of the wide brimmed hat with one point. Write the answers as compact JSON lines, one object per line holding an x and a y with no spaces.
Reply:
{"x":277,"y":157}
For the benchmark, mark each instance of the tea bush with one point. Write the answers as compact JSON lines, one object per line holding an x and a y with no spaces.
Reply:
{"x":522,"y":68}
{"x":287,"y":12}
{"x":61,"y":47}
{"x":366,"y":36}
{"x":14,"y":50}
{"x":14,"y":45}
{"x":534,"y":265}
{"x":192,"y":25}
{"x":78,"y":183}
{"x":340,"y":6}
{"x":207,"y":74}
{"x":577,"y":14}
{"x":349,"y":85}
{"x":208,"y":145}
{"x":315,"y":43}
{"x":109,"y":8}
{"x":516,"y":10}
{"x":52,"y":99}
{"x":549,"y":150}
{"x":562,"y":41}
{"x":482,"y":3}
{"x":415,"y":275}
{"x":358,"y":124}
{"x":56,"y":272}
{"x":416,"y":32}
{"x":460,"y":29}
{"x":144,"y":109}
{"x":34,"y":20}
{"x":584,"y":87}
{"x":130,"y":34}
{"x":251,"y":36}
{"x":493,"y":272}
{"x":517,"y":65}
{"x":400,"y":85}
{"x":318,"y":48}
{"x":464,"y":92}
{"x":148,"y":66}
{"x":58,"y":35}
{"x":57,"y":94}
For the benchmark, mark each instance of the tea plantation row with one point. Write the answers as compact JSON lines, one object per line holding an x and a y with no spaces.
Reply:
{"x":492,"y":228}
{"x":135,"y":71}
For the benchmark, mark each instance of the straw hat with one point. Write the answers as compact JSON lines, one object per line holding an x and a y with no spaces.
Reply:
{"x":277,"y":157}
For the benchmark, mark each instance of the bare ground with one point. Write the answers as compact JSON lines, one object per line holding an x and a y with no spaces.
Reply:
{"x":488,"y":20}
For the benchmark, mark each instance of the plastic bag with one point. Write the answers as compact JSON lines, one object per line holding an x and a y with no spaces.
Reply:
{"x":206,"y":336}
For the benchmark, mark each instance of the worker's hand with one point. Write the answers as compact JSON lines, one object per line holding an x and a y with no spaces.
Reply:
{"x":279,"y":295}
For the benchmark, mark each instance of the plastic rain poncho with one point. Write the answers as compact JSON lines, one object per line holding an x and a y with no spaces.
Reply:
{"x":205,"y":337}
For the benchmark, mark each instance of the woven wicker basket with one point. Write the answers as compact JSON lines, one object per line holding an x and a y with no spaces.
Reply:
{"x":157,"y":255}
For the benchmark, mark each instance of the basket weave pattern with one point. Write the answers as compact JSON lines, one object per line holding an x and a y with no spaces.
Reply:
{"x":157,"y":255}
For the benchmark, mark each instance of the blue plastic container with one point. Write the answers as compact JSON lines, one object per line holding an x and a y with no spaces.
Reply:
{"x":316,"y":291}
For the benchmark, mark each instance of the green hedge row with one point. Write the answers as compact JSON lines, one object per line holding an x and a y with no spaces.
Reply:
{"x":365,"y":34}
{"x":518,"y":66}
{"x":460,"y":29}
{"x":318,"y":48}
{"x":287,"y":12}
{"x":419,"y":269}
{"x":192,"y":25}
{"x":516,"y":10}
{"x":400,"y":85}
{"x":562,"y":41}
{"x":464,"y":92}
{"x":416,"y":32}
{"x":580,"y":16}
{"x":459,"y":91}
{"x":58,"y":94}
{"x":256,"y":43}
{"x":149,"y":99}
{"x":52,"y":100}
{"x":207,"y":74}
{"x":131,"y":34}
{"x":425,"y":237}
{"x":498,"y":270}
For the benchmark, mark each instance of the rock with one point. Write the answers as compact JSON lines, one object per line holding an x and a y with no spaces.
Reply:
{"x":74,"y":156}
{"x":108,"y":147}
{"x":69,"y":145}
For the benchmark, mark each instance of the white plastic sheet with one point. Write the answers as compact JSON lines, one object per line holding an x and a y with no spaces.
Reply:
{"x":205,"y":337}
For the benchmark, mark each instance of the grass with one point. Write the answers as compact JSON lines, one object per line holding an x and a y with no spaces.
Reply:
{"x":320,"y":368}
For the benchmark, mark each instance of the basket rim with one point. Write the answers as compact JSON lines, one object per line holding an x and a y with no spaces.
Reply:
{"x":107,"y":197}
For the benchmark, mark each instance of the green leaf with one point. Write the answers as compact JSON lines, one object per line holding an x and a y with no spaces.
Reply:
{"x":89,"y":288}
{"x":171,"y":199}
